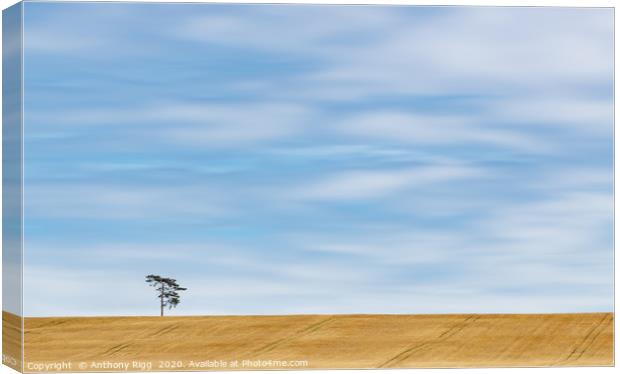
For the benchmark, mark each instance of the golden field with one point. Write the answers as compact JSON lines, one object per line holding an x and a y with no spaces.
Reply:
{"x":317,"y":341}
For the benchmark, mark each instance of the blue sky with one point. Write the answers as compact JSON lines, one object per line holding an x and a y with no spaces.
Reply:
{"x":318,"y":159}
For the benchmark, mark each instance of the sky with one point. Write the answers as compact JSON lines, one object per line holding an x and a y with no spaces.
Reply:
{"x":280,"y":159}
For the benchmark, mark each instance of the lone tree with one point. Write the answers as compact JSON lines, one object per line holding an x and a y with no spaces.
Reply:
{"x":166,"y":291}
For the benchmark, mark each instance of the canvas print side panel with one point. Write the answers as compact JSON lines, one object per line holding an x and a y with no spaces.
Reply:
{"x":12,"y":330}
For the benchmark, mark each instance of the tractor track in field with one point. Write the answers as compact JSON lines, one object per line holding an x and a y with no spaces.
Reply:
{"x":301,"y":333}
{"x":450,"y":332}
{"x":585,"y":344}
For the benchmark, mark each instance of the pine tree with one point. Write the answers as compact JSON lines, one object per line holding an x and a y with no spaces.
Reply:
{"x":166,"y":291}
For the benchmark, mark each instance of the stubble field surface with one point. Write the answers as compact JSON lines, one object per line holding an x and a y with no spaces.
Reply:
{"x":318,"y":341}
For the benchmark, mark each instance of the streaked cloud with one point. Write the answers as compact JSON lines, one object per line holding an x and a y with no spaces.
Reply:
{"x":436,"y":129}
{"x":366,"y":184}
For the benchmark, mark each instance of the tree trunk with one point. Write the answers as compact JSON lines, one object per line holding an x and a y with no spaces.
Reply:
{"x":161,"y":302}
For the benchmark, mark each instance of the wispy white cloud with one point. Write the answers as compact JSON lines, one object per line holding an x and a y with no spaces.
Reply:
{"x":84,"y":30}
{"x":435,"y":129}
{"x":221,"y":126}
{"x":192,"y":124}
{"x":41,"y":40}
{"x":127,"y":202}
{"x":481,"y":50}
{"x":562,"y":224}
{"x":262,"y":29}
{"x":575,"y":180}
{"x":376,"y":183}
{"x":593,"y":117}
{"x":329,"y":151}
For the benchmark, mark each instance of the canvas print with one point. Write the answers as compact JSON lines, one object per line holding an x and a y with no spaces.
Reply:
{"x":279,"y":186}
